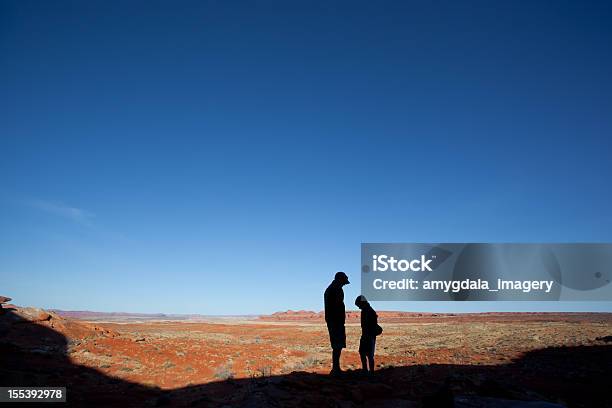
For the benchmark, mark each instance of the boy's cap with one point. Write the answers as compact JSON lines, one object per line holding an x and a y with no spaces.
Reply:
{"x":341,"y":277}
{"x":360,"y":299}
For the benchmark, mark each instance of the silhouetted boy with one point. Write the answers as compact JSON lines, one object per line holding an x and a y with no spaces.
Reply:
{"x":335,"y":317}
{"x":369,"y":330}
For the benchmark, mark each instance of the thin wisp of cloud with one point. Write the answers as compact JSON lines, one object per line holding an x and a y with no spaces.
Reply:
{"x":75,"y":214}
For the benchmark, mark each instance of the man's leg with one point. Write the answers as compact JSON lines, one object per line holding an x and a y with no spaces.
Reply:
{"x":336,"y":359}
{"x":364,"y":362}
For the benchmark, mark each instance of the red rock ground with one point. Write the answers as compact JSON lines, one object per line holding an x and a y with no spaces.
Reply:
{"x":276,"y":359}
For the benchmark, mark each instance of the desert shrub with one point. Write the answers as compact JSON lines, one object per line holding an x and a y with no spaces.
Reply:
{"x":224,"y":372}
{"x":168,"y":364}
{"x":289,"y":368}
{"x":265,"y":371}
{"x":310,"y":361}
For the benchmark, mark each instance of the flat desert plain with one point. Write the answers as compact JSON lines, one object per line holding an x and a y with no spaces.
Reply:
{"x":284,"y":359}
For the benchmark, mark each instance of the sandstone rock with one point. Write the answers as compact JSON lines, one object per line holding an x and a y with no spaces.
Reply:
{"x":33,"y":314}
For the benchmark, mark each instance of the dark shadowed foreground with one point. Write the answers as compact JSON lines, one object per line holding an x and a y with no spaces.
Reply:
{"x":34,"y":353}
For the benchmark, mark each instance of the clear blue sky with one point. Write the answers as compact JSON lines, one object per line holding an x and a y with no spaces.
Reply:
{"x":228,"y":157}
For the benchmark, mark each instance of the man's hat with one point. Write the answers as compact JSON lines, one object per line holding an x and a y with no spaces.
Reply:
{"x":341,"y":277}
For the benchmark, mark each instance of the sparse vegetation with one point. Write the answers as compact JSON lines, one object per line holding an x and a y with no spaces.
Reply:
{"x":311,"y":361}
{"x":177,"y":354}
{"x":224,"y":372}
{"x":168,"y":364}
{"x":308,"y":362}
{"x":265,"y":371}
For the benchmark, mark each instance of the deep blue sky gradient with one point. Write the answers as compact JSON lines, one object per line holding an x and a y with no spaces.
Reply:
{"x":228,"y":157}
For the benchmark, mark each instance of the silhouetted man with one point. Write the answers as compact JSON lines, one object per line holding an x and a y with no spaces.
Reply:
{"x":335,"y":317}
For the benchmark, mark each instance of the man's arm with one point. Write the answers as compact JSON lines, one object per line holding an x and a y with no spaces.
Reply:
{"x":334,"y":307}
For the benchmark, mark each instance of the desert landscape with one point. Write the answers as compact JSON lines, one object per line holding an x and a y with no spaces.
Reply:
{"x":461,"y":360}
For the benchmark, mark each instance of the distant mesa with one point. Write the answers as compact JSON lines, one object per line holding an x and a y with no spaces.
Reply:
{"x":351,"y":316}
{"x":354,"y":316}
{"x":90,"y":315}
{"x":296,"y":313}
{"x":87,"y":315}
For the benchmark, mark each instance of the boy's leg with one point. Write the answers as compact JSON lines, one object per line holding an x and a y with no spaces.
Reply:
{"x":364,"y":363}
{"x":363,"y":352}
{"x":371,"y":353}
